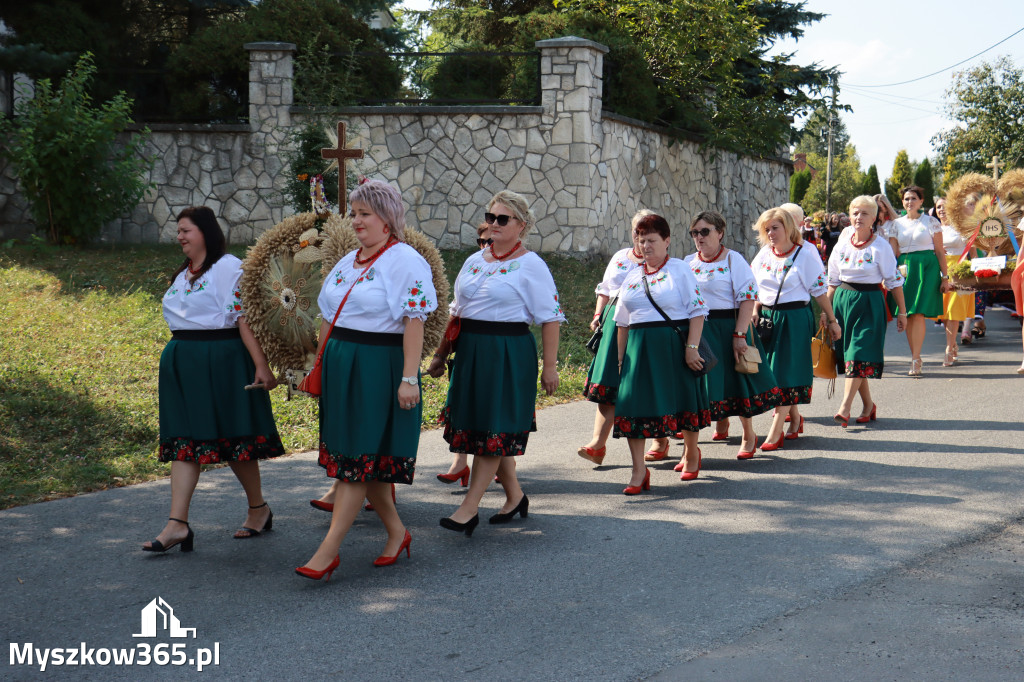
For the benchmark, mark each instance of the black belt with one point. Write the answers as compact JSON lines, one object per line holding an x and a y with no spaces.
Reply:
{"x":723,"y":313}
{"x":206,"y":334}
{"x":792,"y":305}
{"x":681,"y":324}
{"x":494,"y":328}
{"x":366,"y":338}
{"x":859,"y":286}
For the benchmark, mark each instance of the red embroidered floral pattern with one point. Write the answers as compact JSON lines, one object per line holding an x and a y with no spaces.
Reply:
{"x":793,"y":395}
{"x":599,"y":393}
{"x":365,"y":468}
{"x":864,"y":370}
{"x":243,"y":449}
{"x":660,"y":427}
{"x":488,"y":443}
{"x":744,"y":407}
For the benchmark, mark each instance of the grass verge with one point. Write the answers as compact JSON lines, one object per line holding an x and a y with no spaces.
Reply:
{"x":81,"y":333}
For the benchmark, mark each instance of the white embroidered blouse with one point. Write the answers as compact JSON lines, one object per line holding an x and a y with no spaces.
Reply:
{"x":726,"y":283}
{"x":952,"y":241}
{"x":673,"y":287}
{"x":805,"y":280}
{"x":871,"y":264}
{"x":398,"y":285}
{"x":514,"y":290}
{"x":914,"y":234}
{"x":619,"y":266}
{"x":211,"y":302}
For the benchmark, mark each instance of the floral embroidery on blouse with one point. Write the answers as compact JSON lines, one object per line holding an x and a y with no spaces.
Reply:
{"x":505,"y":269}
{"x":194,"y":288}
{"x":236,"y":304}
{"x":634,"y":285}
{"x":750,"y":294}
{"x":475,"y":270}
{"x":862,"y":258}
{"x":622,"y":265}
{"x":368,"y":277}
{"x":659,"y":278}
{"x":416,"y":290}
{"x":820,"y":281}
{"x":339,"y":278}
{"x":558,"y":306}
{"x":699,"y":300}
{"x":171,"y":292}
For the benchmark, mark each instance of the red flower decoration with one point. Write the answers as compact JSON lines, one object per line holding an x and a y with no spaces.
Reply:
{"x":204,"y":459}
{"x":414,"y":291}
{"x":985,"y":272}
{"x":332,"y":470}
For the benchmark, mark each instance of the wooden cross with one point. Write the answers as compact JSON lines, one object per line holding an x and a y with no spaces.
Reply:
{"x":341,"y":155}
{"x":995,"y":166}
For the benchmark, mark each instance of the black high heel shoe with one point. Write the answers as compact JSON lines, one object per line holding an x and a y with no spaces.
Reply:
{"x":187,"y":542}
{"x":522,"y":509}
{"x":252,"y":532}
{"x":468,"y":527}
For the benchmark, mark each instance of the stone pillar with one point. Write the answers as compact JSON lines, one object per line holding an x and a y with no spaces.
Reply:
{"x":571,"y":94}
{"x":270,"y":99}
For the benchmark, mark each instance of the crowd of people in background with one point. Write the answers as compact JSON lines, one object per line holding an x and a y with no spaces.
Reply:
{"x":679,"y":345}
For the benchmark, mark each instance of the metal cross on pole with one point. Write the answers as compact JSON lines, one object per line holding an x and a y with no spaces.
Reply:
{"x":995,"y":166}
{"x":341,"y":155}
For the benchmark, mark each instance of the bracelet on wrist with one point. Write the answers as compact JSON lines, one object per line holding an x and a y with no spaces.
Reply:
{"x":737,"y":335}
{"x":690,"y":345}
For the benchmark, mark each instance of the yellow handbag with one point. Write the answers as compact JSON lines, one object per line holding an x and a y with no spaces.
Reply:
{"x":823,"y":357}
{"x":750,"y":361}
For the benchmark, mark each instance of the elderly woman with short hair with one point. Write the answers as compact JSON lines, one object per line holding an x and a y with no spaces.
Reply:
{"x":659,"y":394}
{"x":379,"y":297}
{"x":788,"y":274}
{"x":858,"y":264}
{"x":489,"y":411}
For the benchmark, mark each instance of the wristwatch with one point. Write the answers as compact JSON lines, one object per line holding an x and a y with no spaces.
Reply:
{"x":943,"y":275}
{"x":412,"y":381}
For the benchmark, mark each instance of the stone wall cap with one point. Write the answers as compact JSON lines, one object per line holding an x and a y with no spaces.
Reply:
{"x":271,"y":47}
{"x":571,"y":41}
{"x":421,"y":110}
{"x":191,"y":127}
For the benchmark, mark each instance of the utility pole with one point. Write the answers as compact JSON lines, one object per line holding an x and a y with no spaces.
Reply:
{"x":831,"y":137}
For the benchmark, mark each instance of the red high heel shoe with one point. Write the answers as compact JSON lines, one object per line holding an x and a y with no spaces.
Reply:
{"x":322,"y":506}
{"x":656,"y":455}
{"x":388,"y":560}
{"x":682,"y":462}
{"x":777,"y":445}
{"x":595,"y":455}
{"x":870,"y":417}
{"x":312,"y":574}
{"x":635,"y":489}
{"x":451,"y":478}
{"x":721,"y":436}
{"x":796,"y":434}
{"x":843,"y":421}
{"x":692,"y":475}
{"x":369,"y":505}
{"x":747,"y":454}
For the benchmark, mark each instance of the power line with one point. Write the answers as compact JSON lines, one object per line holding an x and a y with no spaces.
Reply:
{"x":920,"y":78}
{"x":853,"y":89}
{"x":898,"y":104}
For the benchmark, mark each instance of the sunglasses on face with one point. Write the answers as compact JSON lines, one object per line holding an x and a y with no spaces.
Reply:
{"x":502,"y":220}
{"x":703,"y":232}
{"x":484,"y":242}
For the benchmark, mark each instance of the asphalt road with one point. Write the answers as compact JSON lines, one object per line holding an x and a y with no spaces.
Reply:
{"x":887,"y":551}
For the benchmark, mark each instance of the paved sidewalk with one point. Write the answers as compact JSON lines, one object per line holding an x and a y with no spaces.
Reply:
{"x":886,"y":551}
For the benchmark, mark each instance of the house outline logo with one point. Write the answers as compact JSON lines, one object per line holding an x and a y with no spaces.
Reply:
{"x":159,"y":615}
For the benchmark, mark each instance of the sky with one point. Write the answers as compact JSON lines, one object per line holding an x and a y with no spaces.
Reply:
{"x":877,"y":42}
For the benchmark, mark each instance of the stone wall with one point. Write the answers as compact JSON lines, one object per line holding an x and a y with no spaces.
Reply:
{"x":584,"y":171}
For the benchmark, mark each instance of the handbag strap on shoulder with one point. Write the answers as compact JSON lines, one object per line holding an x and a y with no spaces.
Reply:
{"x":785,"y":273}
{"x":647,"y":290}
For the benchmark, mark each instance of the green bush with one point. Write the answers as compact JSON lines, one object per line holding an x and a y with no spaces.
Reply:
{"x":798,"y":184}
{"x":71,"y":167}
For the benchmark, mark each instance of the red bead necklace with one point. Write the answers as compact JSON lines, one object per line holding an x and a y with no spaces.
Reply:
{"x":655,"y":271}
{"x":506,"y":255}
{"x":366,"y":260}
{"x":859,"y":245}
{"x":638,"y":256}
{"x":705,"y":260}
{"x":783,"y":255}
{"x":191,"y":271}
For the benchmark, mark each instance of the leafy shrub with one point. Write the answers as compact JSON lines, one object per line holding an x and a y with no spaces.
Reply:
{"x":798,"y":184}
{"x":73,"y":171}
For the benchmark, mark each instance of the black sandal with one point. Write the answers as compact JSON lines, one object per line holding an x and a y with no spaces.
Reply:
{"x":187,"y":543}
{"x":252,"y":532}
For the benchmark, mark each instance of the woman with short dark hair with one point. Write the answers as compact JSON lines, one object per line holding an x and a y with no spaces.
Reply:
{"x":206,"y":414}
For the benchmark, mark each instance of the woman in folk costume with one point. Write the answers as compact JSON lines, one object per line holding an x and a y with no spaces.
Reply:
{"x":206,"y":414}
{"x":370,"y":410}
{"x":489,"y":411}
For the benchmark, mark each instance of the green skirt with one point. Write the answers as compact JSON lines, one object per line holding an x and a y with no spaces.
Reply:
{"x":922,"y":291}
{"x":861,"y":316}
{"x":789,"y":353}
{"x":603,"y":376}
{"x":206,"y":415}
{"x":658,"y":395}
{"x":492,"y":397}
{"x":364,"y":434}
{"x":730,"y":393}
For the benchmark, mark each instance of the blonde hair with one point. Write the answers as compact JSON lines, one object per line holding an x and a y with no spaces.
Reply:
{"x":893,"y":215}
{"x":517,"y":203}
{"x":385,"y":201}
{"x":784,"y":217}
{"x":864,"y":201}
{"x":795,"y":211}
{"x":637,"y":216}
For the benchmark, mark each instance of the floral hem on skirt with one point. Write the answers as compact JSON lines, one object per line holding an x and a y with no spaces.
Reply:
{"x":487,"y":443}
{"x":858,"y":369}
{"x":367,"y":468}
{"x":600,"y":394}
{"x":217,"y":450}
{"x":660,"y":427}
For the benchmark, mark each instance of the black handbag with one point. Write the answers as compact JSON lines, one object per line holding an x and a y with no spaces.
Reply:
{"x":703,"y":347}
{"x":595,"y":341}
{"x":764,"y":327}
